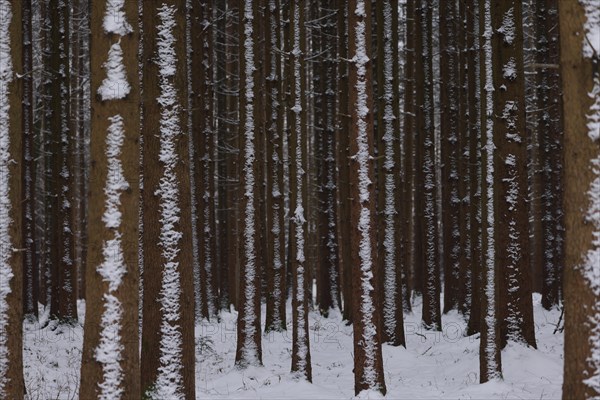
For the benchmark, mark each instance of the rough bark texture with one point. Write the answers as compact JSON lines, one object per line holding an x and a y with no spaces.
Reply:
{"x":579,"y":76}
{"x":129,"y":109}
{"x":13,"y":383}
{"x":510,"y":159}
{"x":368,"y":362}
{"x":154,"y":262}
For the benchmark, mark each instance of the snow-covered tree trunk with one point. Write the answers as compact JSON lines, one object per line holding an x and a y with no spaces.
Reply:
{"x":510,"y":174}
{"x":475,"y":177}
{"x":426,"y":192}
{"x":449,"y":108}
{"x":301,"y":366}
{"x":275,"y":263}
{"x":490,"y":367}
{"x":342,"y":152}
{"x":110,"y":367}
{"x":368,"y":363}
{"x":203,"y":130}
{"x":550,"y":133}
{"x":580,"y":60}
{"x":30,"y":265}
{"x":389,"y":149}
{"x":11,"y":197}
{"x":167,"y":348}
{"x":249,"y":351}
{"x":408,"y":167}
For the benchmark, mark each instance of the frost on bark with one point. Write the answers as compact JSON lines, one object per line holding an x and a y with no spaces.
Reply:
{"x":110,"y":367}
{"x":580,"y":49}
{"x":249,"y":351}
{"x":368,"y":363}
{"x":550,"y":137}
{"x":449,"y":95}
{"x":301,"y":366}
{"x":167,"y":348}
{"x":203,"y":141}
{"x":11,"y":267}
{"x":490,"y":367}
{"x":510,"y":175}
{"x":426,"y":230}
{"x":389,"y":173}
{"x":275,"y":263}
{"x":59,"y":189}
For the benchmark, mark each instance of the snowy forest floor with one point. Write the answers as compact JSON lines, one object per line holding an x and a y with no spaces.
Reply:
{"x":435,"y":365}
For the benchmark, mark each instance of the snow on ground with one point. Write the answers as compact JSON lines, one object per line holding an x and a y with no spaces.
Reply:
{"x":434,"y":365}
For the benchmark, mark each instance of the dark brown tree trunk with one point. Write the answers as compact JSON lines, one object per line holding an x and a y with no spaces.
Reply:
{"x":114,"y":187}
{"x":581,"y":85}
{"x":551,"y":143}
{"x":203,"y":130}
{"x":30,"y":265}
{"x":275,"y":263}
{"x":167,"y":347}
{"x":427,"y":237}
{"x":368,"y":362}
{"x":343,"y":159}
{"x":490,"y":363}
{"x":510,"y":170}
{"x":475,"y":177}
{"x":249,"y":351}
{"x":408,"y":166}
{"x":449,"y":95}
{"x":11,"y":193}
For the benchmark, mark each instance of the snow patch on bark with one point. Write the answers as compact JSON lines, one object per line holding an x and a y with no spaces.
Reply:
{"x":109,"y":350}
{"x":6,"y":245}
{"x":114,"y":18}
{"x":115,"y":86}
{"x":169,"y":381}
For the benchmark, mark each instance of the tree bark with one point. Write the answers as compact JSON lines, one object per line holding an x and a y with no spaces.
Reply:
{"x":581,"y":85}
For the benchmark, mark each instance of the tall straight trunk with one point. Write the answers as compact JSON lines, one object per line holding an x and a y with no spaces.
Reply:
{"x":408,"y":166}
{"x":59,"y":190}
{"x":249,"y":350}
{"x":30,"y":265}
{"x":275,"y":263}
{"x":464,"y":293}
{"x":389,"y":173}
{"x":343,"y":159}
{"x":579,"y":27}
{"x":551,"y":143}
{"x":449,"y":95}
{"x":425,"y":164}
{"x":490,"y":363}
{"x":475,"y":174}
{"x":167,"y":343}
{"x":368,"y":362}
{"x":110,"y":367}
{"x":203,"y":140}
{"x":301,"y":365}
{"x":11,"y":201}
{"x":328,"y":289}
{"x":510,"y":180}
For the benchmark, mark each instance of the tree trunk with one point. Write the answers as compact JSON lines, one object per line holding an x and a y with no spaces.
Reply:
{"x":490,"y":367}
{"x":427,"y":237}
{"x":510,"y":174}
{"x":11,"y":201}
{"x":249,"y":351}
{"x":112,"y":295}
{"x":368,"y":363}
{"x":167,"y":352}
{"x":581,"y":84}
